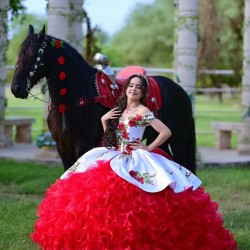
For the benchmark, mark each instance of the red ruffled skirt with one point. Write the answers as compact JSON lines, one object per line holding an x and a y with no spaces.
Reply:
{"x":98,"y":210}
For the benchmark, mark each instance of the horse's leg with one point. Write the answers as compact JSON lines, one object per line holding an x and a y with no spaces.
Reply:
{"x":67,"y":160}
{"x":62,"y":138}
{"x":183,"y":145}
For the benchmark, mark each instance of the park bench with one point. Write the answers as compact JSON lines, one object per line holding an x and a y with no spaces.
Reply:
{"x":223,"y":133}
{"x":22,"y":126}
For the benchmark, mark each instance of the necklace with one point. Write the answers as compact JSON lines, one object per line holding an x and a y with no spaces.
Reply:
{"x":128,"y":109}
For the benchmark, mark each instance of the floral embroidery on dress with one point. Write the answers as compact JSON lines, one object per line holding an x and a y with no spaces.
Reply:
{"x":140,"y":120}
{"x":74,"y":167}
{"x":102,"y":154}
{"x":170,"y":172}
{"x":125,"y":155}
{"x":143,"y":178}
{"x":187,"y":174}
{"x":123,"y":130}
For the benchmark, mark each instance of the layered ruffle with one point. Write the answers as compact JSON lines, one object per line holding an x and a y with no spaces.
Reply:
{"x":97,"y":209}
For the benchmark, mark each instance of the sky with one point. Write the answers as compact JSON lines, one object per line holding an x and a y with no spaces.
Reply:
{"x":109,"y":15}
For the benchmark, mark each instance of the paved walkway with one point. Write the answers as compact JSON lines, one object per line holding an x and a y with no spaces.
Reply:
{"x":207,"y":156}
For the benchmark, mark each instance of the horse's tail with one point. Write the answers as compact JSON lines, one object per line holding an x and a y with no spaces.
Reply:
{"x":191,"y":148}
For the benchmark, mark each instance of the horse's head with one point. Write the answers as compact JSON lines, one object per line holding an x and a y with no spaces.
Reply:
{"x":30,"y":66}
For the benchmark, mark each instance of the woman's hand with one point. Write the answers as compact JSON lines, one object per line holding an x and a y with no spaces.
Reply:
{"x":137,"y":144}
{"x":111,"y":114}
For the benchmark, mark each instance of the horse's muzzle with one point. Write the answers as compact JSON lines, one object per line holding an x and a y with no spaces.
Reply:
{"x":18,"y":92}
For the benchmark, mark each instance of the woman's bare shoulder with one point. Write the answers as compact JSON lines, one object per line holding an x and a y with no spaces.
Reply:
{"x":144,"y":110}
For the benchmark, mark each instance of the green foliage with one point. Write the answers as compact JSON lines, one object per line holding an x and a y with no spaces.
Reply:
{"x":45,"y":140}
{"x":117,"y":58}
{"x":147,"y":38}
{"x":221,"y":41}
{"x":17,"y":9}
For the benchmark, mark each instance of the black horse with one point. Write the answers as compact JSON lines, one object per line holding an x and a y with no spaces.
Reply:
{"x":74,"y":115}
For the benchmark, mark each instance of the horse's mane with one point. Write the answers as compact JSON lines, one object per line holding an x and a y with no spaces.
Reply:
{"x":78,"y":58}
{"x":80,"y":75}
{"x":26,"y":52}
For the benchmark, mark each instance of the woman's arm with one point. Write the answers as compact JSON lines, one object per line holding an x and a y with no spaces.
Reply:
{"x":164,"y":134}
{"x":112,"y":114}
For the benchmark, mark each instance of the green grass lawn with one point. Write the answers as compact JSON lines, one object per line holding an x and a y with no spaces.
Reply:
{"x":22,"y":187}
{"x":207,"y":109}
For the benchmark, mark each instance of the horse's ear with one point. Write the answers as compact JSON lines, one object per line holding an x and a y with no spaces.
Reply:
{"x":41,"y":34}
{"x":31,"y":30}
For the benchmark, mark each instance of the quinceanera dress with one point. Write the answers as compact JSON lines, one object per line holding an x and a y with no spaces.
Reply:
{"x":118,"y":199}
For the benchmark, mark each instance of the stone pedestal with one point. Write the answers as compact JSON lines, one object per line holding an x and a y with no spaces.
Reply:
{"x":23,"y":134}
{"x":47,"y":153}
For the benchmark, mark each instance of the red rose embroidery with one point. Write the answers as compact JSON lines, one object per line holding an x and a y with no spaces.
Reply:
{"x":125,"y":135}
{"x":61,"y":60}
{"x":132,"y":173}
{"x":62,"y":108}
{"x":121,"y":126}
{"x":62,"y":75}
{"x":138,"y":118}
{"x":140,"y":179}
{"x":82,"y":102}
{"x":132,"y":122}
{"x":135,"y":175}
{"x":57,"y":44}
{"x":129,"y":149}
{"x":63,"y":91}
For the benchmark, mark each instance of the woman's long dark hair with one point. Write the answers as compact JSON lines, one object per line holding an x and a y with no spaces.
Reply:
{"x":110,"y":138}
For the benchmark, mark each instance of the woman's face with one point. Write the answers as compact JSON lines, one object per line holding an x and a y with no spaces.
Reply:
{"x":134,"y":89}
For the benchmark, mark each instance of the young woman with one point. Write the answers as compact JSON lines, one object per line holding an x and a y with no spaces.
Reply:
{"x":124,"y":196}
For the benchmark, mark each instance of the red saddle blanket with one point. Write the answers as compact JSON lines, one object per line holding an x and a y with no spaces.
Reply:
{"x":109,"y":91}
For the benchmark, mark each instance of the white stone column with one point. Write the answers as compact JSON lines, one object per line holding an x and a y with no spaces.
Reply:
{"x":58,"y":16}
{"x":4,"y":6}
{"x":75,"y":24}
{"x":244,"y":144}
{"x":185,"y":64}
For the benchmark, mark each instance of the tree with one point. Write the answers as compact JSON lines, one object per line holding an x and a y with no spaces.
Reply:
{"x":148,"y":36}
{"x":209,"y":46}
{"x":220,"y":45}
